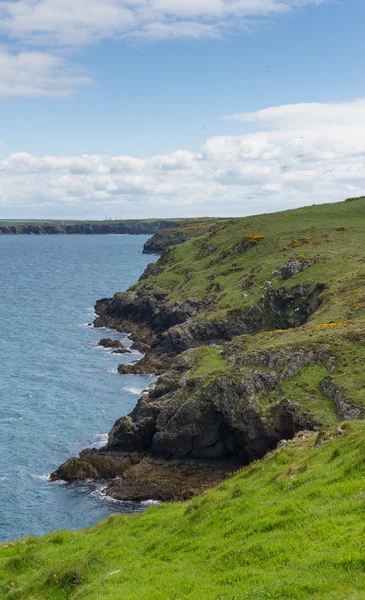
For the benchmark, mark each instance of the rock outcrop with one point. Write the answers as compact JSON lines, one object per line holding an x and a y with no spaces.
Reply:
{"x":116,"y":345}
{"x":248,"y":352}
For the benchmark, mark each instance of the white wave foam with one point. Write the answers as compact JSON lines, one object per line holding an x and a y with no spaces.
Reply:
{"x":3,"y":478}
{"x":114,"y":371}
{"x":45,"y":477}
{"x":99,"y":492}
{"x":100,"y":440}
{"x":133,"y":390}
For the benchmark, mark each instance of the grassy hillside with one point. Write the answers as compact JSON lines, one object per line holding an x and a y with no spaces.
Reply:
{"x":234,"y":265}
{"x":288,"y":527}
{"x":173,"y":236}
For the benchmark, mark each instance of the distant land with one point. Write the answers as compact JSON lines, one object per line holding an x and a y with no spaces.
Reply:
{"x":128,"y":226}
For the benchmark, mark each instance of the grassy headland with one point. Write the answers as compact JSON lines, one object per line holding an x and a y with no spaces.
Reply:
{"x":260,"y":327}
{"x":186,"y":230}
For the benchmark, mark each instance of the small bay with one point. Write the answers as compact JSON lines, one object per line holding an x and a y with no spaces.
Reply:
{"x":59,"y":391}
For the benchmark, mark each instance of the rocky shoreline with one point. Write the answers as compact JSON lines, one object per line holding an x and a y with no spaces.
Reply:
{"x":185,"y":434}
{"x":132,"y":472}
{"x":251,"y":343}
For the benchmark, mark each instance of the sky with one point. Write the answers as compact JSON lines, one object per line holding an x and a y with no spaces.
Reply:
{"x":173,"y":108}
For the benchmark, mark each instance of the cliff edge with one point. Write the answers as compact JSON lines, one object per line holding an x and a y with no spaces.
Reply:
{"x":256,"y":329}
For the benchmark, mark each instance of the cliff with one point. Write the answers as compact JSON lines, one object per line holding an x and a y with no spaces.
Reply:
{"x":257,"y":329}
{"x":254,"y":328}
{"x":173,"y":236}
{"x":133,"y":226}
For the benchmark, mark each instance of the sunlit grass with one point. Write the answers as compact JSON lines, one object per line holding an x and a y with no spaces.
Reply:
{"x":288,"y":527}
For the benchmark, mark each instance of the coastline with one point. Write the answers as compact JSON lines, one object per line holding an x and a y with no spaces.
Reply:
{"x":232,"y":326}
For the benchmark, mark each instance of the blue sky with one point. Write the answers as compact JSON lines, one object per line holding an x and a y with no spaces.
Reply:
{"x":95,"y":116}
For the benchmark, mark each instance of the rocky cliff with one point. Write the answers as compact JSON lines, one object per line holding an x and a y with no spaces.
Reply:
{"x":256,"y":329}
{"x":186,"y":230}
{"x":181,"y":229}
{"x":137,"y":226}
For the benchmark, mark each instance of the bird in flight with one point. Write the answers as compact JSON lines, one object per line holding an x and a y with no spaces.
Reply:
{"x":330,"y":170}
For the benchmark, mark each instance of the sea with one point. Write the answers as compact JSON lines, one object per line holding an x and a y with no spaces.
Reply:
{"x":59,"y":391}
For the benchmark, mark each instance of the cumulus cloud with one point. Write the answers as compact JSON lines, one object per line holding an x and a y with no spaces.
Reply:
{"x":78,"y":22}
{"x":69,"y":24}
{"x":34,"y":74}
{"x":293,"y":162}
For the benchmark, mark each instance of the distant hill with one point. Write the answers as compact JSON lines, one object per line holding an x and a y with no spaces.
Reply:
{"x":129,"y":226}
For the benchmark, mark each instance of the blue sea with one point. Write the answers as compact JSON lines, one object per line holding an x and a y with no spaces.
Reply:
{"x":59,"y":391}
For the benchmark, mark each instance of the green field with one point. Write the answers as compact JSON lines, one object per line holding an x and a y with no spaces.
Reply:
{"x":288,"y":527}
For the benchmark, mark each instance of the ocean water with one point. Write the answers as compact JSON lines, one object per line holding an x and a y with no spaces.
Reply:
{"x":59,"y":391}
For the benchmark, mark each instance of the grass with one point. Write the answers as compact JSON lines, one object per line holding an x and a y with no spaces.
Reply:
{"x":212,"y":264}
{"x":288,"y":527}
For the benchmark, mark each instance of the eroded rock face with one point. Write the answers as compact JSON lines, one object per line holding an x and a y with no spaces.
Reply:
{"x":346,"y":411}
{"x":188,"y":418}
{"x":293,"y":267}
{"x":184,"y":417}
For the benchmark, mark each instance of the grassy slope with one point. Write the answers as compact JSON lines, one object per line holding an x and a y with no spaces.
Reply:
{"x":332,"y":237}
{"x":337,"y":255}
{"x":185,"y":230}
{"x":288,"y":527}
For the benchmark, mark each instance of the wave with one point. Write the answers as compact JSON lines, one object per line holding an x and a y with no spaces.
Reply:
{"x":134,"y":390}
{"x":45,"y":477}
{"x":100,"y":439}
{"x":99,"y":492}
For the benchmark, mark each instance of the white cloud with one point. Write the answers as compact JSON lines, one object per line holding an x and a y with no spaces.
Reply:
{"x":34,"y":74}
{"x":70,"y":24}
{"x":79,"y":22}
{"x":298,"y":161}
{"x":306,"y":115}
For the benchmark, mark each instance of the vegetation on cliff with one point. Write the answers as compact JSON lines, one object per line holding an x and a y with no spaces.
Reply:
{"x":186,"y":230}
{"x":287,"y":527}
{"x":257,"y":330}
{"x":129,"y":226}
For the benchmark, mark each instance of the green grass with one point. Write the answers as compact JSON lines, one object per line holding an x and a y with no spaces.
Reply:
{"x":288,"y":527}
{"x":337,"y":256}
{"x":305,"y":390}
